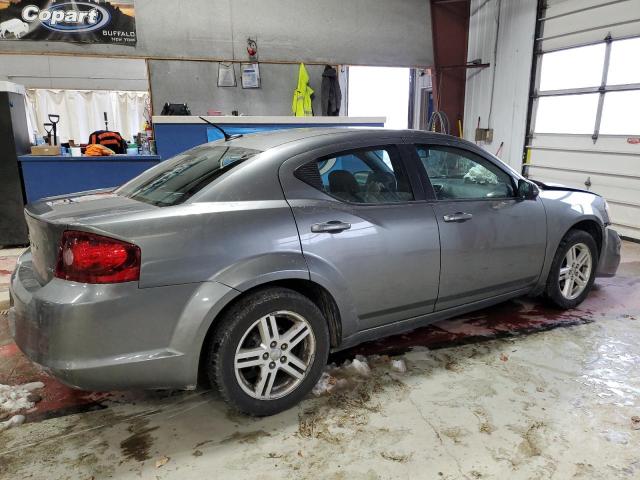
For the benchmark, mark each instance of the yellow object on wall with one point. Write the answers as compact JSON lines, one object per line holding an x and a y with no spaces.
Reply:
{"x":301,"y":104}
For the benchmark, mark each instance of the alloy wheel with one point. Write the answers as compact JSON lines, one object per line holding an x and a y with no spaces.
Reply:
{"x":575,"y":271}
{"x":274,"y":355}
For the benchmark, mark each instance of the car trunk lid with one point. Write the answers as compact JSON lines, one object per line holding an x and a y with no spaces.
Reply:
{"x":47,"y":219}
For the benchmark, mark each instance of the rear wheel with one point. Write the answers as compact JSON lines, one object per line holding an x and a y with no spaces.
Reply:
{"x":268,"y":351}
{"x":573,"y":270}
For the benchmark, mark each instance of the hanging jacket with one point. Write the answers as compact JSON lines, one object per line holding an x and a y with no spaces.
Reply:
{"x":301,"y":105}
{"x":330,"y":94}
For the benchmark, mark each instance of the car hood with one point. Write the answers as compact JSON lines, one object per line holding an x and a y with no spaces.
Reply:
{"x":558,"y":186}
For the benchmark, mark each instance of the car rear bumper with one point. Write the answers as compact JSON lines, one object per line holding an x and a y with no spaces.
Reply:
{"x":610,"y":254}
{"x":112,"y":336}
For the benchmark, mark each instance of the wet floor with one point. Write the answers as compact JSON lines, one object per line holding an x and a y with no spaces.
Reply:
{"x":515,"y":391}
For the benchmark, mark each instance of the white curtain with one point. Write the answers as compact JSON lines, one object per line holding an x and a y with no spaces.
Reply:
{"x":82,"y":112}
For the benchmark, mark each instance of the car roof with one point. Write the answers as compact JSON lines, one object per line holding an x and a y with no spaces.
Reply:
{"x":312,"y":137}
{"x":265,"y":140}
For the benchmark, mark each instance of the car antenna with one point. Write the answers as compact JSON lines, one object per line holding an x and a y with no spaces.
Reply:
{"x":227,"y":137}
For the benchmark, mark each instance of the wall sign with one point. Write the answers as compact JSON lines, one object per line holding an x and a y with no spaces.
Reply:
{"x":88,"y":21}
{"x":250,"y":75}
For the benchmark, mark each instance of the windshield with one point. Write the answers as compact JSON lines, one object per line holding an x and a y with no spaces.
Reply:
{"x":175,"y":180}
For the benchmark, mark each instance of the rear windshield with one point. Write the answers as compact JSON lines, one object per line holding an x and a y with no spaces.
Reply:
{"x":175,"y":180}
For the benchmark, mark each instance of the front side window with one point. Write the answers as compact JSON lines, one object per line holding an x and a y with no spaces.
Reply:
{"x":371,"y":175}
{"x":457,"y":174}
{"x":177,"y":179}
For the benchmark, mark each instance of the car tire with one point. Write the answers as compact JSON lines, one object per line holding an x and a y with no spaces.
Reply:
{"x":260,"y":379}
{"x":560,"y":291}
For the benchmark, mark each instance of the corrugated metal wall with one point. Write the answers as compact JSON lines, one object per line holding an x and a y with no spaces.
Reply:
{"x":499,"y":94}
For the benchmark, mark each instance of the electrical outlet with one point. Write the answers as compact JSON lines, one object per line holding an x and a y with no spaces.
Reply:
{"x":484,"y":135}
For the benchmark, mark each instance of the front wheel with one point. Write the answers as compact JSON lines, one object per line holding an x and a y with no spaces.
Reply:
{"x":573,"y":270}
{"x":268,"y":351}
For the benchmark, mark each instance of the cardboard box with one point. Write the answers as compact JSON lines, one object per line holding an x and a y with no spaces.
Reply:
{"x":45,"y":150}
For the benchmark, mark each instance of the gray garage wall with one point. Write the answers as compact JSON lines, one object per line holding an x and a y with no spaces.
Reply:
{"x":201,"y":92}
{"x":180,"y":39}
{"x":363,"y":32}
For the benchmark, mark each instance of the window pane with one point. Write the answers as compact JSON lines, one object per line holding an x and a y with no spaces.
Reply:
{"x":573,"y":68}
{"x":457,"y":174}
{"x":623,"y":65}
{"x":567,"y":114}
{"x":175,"y":180}
{"x":621,"y":113}
{"x":365,"y":176}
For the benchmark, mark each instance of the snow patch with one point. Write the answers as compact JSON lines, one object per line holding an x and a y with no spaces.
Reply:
{"x":356,"y":368}
{"x":339,"y":378}
{"x":12,"y":422}
{"x":399,"y":366}
{"x":16,"y":397}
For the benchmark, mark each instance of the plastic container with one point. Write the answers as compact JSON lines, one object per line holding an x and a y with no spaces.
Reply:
{"x":76,"y":152}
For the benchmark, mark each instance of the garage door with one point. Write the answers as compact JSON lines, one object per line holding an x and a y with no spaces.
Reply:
{"x":584,"y":128}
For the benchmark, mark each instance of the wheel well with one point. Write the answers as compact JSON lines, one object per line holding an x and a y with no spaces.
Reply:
{"x":314,"y":292}
{"x":323,"y":300}
{"x":593,"y":229}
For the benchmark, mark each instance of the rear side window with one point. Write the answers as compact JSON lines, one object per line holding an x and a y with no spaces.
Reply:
{"x":457,"y":174}
{"x":175,"y":180}
{"x":368,"y":175}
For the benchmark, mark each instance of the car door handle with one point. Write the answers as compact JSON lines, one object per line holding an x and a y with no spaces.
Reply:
{"x":333,"y":226}
{"x":458,"y":217}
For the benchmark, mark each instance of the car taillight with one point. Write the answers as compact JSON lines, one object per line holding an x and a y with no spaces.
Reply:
{"x":91,"y":258}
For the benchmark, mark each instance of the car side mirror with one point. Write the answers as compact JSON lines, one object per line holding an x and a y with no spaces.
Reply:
{"x":527,"y":190}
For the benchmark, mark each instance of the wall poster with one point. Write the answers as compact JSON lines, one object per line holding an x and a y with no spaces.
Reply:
{"x":88,"y":21}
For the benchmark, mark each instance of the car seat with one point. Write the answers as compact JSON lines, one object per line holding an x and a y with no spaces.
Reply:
{"x":344,"y":185}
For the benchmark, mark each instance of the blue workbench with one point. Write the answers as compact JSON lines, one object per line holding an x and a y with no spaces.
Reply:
{"x":45,"y":176}
{"x":177,"y":134}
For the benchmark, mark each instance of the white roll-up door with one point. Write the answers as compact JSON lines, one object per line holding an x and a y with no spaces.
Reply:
{"x":584,"y":129}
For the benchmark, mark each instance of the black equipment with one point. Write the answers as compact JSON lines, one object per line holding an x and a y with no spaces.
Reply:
{"x":14,"y":141}
{"x":54,"y":119}
{"x":175,"y":109}
{"x":48,"y":127}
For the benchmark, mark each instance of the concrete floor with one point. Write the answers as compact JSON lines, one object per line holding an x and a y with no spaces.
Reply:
{"x":515,"y":391}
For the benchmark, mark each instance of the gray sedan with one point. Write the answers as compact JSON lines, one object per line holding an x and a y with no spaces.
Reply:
{"x":248,"y":260}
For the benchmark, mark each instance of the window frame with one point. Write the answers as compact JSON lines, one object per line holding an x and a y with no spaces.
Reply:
{"x":602,"y":89}
{"x":428,"y":186}
{"x":403,"y":152}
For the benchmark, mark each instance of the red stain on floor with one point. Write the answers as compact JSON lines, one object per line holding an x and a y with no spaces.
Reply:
{"x":57,"y":398}
{"x":9,"y":350}
{"x":611,"y":297}
{"x":615,"y":297}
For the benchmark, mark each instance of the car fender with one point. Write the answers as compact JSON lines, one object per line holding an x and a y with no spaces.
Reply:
{"x":564,"y":209}
{"x":269,"y":267}
{"x":205,"y":305}
{"x":197,"y":316}
{"x":264,"y":269}
{"x":209,"y":300}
